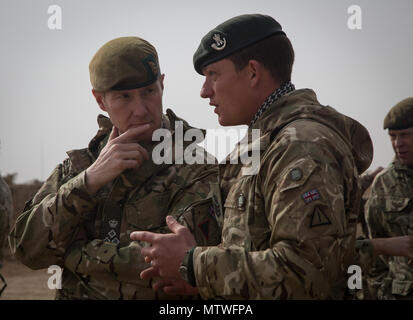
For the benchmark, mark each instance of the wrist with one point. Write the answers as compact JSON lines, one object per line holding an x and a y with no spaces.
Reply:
{"x":90,"y":182}
{"x":187,"y":268}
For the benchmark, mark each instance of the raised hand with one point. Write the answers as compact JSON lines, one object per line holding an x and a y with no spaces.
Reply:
{"x":167,"y":251}
{"x":120,"y":153}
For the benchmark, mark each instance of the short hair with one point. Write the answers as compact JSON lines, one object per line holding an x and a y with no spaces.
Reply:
{"x":276,"y":53}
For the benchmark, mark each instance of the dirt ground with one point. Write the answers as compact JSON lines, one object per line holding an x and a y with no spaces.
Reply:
{"x":24,"y":283}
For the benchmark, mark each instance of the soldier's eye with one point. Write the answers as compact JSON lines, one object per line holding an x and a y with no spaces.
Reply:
{"x":124,"y":96}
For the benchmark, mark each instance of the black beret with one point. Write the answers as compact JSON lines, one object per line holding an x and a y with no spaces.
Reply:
{"x":124,"y":63}
{"x":400,"y":116}
{"x":234,"y":35}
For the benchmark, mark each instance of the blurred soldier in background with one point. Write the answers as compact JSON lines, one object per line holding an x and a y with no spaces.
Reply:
{"x":6,"y":212}
{"x":389,"y":210}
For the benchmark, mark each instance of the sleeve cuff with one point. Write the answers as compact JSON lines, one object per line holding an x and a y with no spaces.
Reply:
{"x":77,"y":193}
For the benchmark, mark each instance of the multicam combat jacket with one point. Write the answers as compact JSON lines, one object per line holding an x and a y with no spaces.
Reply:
{"x":289,"y":230}
{"x":6,"y":214}
{"x":389,"y":213}
{"x":89,"y":235}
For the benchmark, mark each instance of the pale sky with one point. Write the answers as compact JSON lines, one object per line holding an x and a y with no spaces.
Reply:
{"x":46,"y":107}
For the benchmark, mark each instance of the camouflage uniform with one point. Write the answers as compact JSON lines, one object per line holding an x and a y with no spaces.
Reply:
{"x":289,"y":231}
{"x":89,"y":235}
{"x":6,"y":212}
{"x":389,"y":212}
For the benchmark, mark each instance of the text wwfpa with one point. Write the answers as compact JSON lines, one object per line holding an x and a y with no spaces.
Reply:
{"x":213,"y":309}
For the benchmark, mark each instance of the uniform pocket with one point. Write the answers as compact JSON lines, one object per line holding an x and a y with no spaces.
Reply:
{"x":148,"y":213}
{"x":397,"y":215}
{"x":237,"y":205}
{"x":201,"y":219}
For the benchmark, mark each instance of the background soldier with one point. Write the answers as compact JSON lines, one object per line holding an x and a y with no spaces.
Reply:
{"x":289,"y":230}
{"x":389,"y":210}
{"x":82,"y":216}
{"x":6,"y":212}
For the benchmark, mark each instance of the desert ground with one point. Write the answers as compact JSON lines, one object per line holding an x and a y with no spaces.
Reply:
{"x":24,"y":283}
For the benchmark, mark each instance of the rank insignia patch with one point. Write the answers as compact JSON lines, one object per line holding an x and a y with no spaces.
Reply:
{"x":311,"y":196}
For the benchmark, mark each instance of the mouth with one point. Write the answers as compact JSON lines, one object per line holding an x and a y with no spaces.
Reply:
{"x":214,"y":105}
{"x":134,"y":125}
{"x":401,"y":154}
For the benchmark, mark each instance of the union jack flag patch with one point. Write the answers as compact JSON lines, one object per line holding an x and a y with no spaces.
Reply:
{"x":311,"y":196}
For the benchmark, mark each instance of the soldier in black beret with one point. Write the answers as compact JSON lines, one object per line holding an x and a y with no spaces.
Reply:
{"x":289,"y":228}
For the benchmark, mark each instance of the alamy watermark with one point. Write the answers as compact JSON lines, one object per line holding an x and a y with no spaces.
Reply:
{"x":55,"y":280}
{"x":54,"y":22}
{"x":186,"y":148}
{"x":355,"y":279}
{"x":354,"y":21}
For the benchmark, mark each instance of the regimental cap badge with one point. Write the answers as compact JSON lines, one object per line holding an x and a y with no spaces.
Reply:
{"x":219,"y":42}
{"x":153,"y":66}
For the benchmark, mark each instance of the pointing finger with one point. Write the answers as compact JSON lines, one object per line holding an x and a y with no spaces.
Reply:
{"x":143,"y":236}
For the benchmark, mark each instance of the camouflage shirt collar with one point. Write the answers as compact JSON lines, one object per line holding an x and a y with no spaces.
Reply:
{"x":398,"y":166}
{"x":284,"y":89}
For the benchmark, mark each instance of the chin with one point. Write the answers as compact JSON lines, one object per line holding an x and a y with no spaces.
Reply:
{"x":407,"y":163}
{"x":224,"y":122}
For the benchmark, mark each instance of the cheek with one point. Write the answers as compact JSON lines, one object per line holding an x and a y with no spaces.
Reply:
{"x":155,"y":109}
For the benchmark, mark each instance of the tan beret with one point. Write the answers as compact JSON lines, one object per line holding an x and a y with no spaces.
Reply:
{"x":124,"y":63}
{"x":400,"y":116}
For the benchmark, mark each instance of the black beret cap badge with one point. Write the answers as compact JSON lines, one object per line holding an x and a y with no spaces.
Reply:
{"x":219,"y":43}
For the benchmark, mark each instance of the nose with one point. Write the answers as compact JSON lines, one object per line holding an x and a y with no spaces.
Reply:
{"x":139,"y":108}
{"x":206,"y":90}
{"x":398,"y":142}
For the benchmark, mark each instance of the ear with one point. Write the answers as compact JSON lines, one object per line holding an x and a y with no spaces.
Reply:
{"x":99,"y":99}
{"x":255,"y":72}
{"x":161,"y":78}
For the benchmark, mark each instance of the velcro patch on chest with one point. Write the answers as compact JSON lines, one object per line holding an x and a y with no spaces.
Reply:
{"x":204,"y":227}
{"x":311,"y":196}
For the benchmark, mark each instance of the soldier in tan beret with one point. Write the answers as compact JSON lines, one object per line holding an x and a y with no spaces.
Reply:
{"x":82,"y":216}
{"x":289,"y":229}
{"x":389,"y":211}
